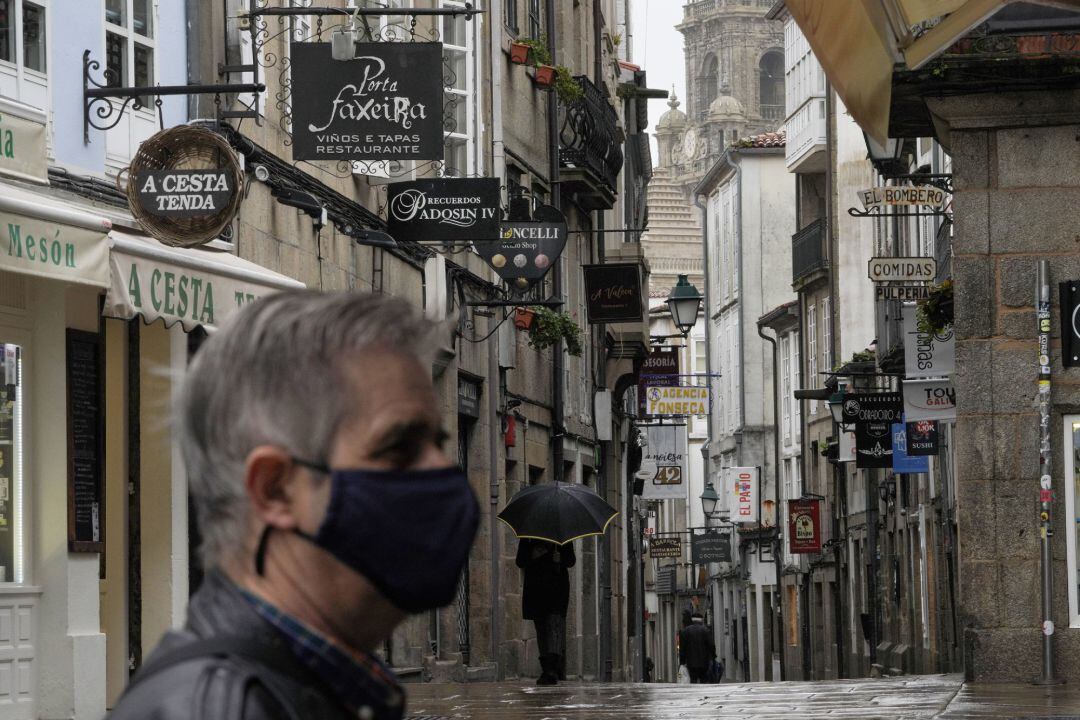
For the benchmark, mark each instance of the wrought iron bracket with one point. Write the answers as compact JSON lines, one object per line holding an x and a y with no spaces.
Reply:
{"x":876,"y":212}
{"x":100,"y":98}
{"x":513,"y":303}
{"x":942,"y":181}
{"x":468,"y":11}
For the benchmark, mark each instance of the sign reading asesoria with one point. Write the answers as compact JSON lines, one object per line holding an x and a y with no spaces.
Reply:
{"x":677,"y":400}
{"x":384,"y":104}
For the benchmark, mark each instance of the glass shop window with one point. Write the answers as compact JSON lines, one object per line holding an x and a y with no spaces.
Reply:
{"x":11,"y":464}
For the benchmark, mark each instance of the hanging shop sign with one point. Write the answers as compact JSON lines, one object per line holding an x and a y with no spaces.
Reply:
{"x":468,"y":393}
{"x":665,"y":547}
{"x":929,"y":400}
{"x":1069,"y":296}
{"x":444,"y":209}
{"x":666,"y":580}
{"x":660,"y":367}
{"x":804,"y":526}
{"x":710,"y":546}
{"x":873,"y":415}
{"x":384,"y":104}
{"x":525,"y":251}
{"x":902,"y":196}
{"x":184,"y":185}
{"x":902,"y":269}
{"x":22,"y":143}
{"x":667,"y":449}
{"x":846,"y":449}
{"x":926,"y":353}
{"x":904,"y":293}
{"x":743,"y":485}
{"x":922,"y":438}
{"x":677,"y":401}
{"x":903,"y":461}
{"x":613,"y":292}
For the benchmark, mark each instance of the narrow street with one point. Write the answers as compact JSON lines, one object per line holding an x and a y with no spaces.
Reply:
{"x":942,"y":697}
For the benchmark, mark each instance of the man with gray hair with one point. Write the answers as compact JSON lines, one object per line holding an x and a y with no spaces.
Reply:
{"x":329,"y":511}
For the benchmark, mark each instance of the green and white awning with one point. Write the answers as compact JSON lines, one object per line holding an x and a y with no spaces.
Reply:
{"x":189,"y":286}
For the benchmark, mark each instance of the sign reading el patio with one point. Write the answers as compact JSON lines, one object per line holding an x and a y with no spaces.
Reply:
{"x":378,"y":106}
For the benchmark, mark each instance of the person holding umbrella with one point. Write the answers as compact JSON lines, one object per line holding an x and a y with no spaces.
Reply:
{"x":547,"y":518}
{"x":545,"y":596}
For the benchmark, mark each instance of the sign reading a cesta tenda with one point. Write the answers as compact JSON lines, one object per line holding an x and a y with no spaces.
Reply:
{"x":444,"y":209}
{"x":385,"y":104}
{"x":184,"y":193}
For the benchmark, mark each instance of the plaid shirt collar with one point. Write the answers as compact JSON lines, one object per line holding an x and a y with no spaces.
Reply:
{"x":361,"y":682}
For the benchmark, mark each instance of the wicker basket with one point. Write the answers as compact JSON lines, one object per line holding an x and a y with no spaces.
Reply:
{"x":185,"y":147}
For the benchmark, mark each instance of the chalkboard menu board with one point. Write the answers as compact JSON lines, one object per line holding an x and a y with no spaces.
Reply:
{"x":86,"y":442}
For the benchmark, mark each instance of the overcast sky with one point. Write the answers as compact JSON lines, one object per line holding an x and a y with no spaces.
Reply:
{"x":658,"y":49}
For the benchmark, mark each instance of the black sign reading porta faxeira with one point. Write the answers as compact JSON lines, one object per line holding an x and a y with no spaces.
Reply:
{"x":385,"y":104}
{"x":444,"y":209}
{"x":613,"y":292}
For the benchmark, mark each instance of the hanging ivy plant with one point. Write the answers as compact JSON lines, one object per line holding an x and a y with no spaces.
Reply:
{"x":550,"y":326}
{"x":936,"y":311}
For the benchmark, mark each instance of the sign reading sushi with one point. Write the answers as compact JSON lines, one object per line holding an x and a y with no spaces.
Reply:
{"x":525,"y":251}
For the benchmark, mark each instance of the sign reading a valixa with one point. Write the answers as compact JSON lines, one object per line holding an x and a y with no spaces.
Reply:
{"x":903,"y":269}
{"x":677,"y":400}
{"x":903,"y":196}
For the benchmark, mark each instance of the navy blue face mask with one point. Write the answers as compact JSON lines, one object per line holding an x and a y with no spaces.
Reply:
{"x":407,"y":531}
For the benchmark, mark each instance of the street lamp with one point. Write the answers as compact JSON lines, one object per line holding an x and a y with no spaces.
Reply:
{"x":684,"y":303}
{"x":836,"y":407}
{"x":709,"y":499}
{"x":886,"y":158}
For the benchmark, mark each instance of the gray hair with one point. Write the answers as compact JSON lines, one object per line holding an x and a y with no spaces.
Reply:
{"x":275,"y":376}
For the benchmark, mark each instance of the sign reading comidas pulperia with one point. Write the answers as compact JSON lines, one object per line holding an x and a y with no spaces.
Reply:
{"x":903,"y":269}
{"x":184,"y":193}
{"x":444,"y":209}
{"x":384,"y":104}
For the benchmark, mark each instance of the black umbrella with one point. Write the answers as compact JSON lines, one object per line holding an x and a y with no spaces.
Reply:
{"x":557,"y":512}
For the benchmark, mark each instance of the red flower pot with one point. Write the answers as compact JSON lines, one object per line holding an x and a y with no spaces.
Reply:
{"x":545,"y":75}
{"x":519,"y":53}
{"x":523,"y":318}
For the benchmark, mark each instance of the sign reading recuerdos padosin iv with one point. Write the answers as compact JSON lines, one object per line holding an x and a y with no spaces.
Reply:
{"x":444,"y":209}
{"x":384,"y":104}
{"x":184,"y":193}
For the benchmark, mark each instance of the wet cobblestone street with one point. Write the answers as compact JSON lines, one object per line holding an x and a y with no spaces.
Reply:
{"x":938,"y":697}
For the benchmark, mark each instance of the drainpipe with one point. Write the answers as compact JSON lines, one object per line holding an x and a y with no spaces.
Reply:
{"x":495,"y":384}
{"x":778,"y":494}
{"x":557,"y":360}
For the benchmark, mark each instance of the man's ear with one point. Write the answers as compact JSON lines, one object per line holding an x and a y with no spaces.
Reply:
{"x":270,"y":478}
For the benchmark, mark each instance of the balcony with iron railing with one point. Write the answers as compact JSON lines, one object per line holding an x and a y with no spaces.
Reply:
{"x":808,"y":251}
{"x":589,"y":147}
{"x":773,"y":113}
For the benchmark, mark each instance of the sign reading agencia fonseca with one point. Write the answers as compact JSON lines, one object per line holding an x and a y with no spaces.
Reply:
{"x":384,"y":104}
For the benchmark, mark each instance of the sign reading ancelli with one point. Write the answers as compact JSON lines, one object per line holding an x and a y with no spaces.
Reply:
{"x":525,"y":251}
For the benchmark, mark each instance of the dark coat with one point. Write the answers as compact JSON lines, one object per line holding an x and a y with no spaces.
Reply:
{"x":696,"y":646}
{"x":547,"y":583}
{"x":226,"y":688}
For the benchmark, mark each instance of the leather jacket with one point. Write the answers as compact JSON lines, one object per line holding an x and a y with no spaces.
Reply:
{"x":226,"y":687}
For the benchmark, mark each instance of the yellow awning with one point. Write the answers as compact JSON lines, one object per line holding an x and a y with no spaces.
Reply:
{"x":858,"y":42}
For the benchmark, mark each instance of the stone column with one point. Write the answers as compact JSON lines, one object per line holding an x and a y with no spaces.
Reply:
{"x":1015,"y":160}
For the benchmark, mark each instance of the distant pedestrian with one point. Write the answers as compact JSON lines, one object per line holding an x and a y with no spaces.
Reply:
{"x":545,"y":597}
{"x":649,"y":666}
{"x":328,"y":510}
{"x":697,"y":650}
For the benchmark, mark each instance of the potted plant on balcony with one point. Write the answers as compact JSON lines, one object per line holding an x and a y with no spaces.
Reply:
{"x":523,"y":318}
{"x":530,"y":51}
{"x":545,"y":75}
{"x":566,"y":87}
{"x":550,"y":326}
{"x":519,"y":52}
{"x":936,"y":311}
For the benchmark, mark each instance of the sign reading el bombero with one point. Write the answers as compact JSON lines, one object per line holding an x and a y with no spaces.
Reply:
{"x":444,"y":209}
{"x":381,"y":105}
